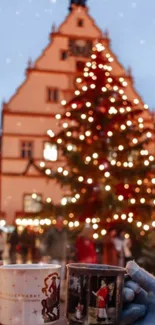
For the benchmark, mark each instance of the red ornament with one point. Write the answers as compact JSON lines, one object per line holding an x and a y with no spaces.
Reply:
{"x":89,"y":141}
{"x":102,"y":109}
{"x":127,"y":190}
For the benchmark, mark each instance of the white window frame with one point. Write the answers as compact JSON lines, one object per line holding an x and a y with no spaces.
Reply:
{"x":50,"y":154}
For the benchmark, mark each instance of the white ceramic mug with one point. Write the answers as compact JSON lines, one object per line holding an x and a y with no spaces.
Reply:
{"x":29,"y":294}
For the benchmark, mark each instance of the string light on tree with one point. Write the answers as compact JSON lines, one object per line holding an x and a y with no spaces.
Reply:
{"x":69,"y":147}
{"x":123,"y":216}
{"x":50,"y":133}
{"x":58,"y":116}
{"x":120,"y":148}
{"x":149,"y":135}
{"x":60,"y":170}
{"x":48,"y":200}
{"x":116,"y":216}
{"x":136,"y":101}
{"x":89,"y":181}
{"x":146,"y":227}
{"x":63,"y":102}
{"x":110,"y":134}
{"x":42,"y":164}
{"x":65,"y":172}
{"x":139,"y":224}
{"x":95,"y":226}
{"x":95,"y":236}
{"x":103,"y":232}
{"x":48,"y":172}
{"x":80,"y":179}
{"x":107,"y":188}
{"x":95,"y":155}
{"x":59,"y":141}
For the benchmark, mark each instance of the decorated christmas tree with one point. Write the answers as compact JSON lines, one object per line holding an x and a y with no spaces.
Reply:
{"x":105,"y":167}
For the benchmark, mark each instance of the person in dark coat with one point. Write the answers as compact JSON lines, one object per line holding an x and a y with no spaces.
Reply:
{"x":13,"y":240}
{"x":27,"y":243}
{"x":110,"y":254}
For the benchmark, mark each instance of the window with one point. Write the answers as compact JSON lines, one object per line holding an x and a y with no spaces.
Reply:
{"x":32,"y":203}
{"x":26,"y":149}
{"x":80,"y":47}
{"x":50,"y":151}
{"x":52,"y":95}
{"x":80,"y":22}
{"x":80,"y":66}
{"x":64,"y":55}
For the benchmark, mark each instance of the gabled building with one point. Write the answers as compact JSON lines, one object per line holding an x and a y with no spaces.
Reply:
{"x":31,"y":111}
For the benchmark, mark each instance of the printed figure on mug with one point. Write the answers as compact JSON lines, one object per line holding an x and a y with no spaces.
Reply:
{"x":50,"y":304}
{"x":78,"y":293}
{"x":102,"y":307}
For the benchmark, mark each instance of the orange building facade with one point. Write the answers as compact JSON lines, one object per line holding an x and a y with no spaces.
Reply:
{"x":30,"y":113}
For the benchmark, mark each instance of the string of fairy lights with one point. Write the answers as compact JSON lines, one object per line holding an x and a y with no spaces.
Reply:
{"x":94,"y":223}
{"x":113,"y":160}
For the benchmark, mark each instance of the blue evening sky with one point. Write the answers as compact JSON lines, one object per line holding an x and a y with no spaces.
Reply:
{"x":25,"y":26}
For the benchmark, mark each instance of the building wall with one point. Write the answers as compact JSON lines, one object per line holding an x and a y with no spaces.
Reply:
{"x":28,"y":115}
{"x":32,"y":97}
{"x":21,"y":185}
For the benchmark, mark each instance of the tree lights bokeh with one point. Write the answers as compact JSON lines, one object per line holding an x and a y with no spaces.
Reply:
{"x":103,"y":152}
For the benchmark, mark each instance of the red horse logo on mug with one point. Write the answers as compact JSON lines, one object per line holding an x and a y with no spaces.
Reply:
{"x":50,"y":304}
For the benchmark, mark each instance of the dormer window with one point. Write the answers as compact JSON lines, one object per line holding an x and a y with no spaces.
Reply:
{"x":52,"y":95}
{"x":80,"y":47}
{"x":80,"y":22}
{"x":63,"y":55}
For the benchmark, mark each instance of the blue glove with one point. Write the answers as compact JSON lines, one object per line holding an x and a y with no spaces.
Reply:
{"x":139,"y":297}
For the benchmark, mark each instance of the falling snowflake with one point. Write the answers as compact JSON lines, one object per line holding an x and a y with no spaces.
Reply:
{"x":121,"y":14}
{"x":134,"y":5}
{"x":18,"y":123}
{"x":8,"y":60}
{"x":48,"y":10}
{"x":142,"y":41}
{"x":37,"y":15}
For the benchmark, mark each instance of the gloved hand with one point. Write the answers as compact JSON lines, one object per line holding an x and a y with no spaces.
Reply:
{"x":139,"y":297}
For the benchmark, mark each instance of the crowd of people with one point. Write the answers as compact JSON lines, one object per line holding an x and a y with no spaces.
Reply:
{"x":117,"y":248}
{"x":59,"y":245}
